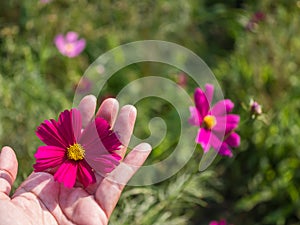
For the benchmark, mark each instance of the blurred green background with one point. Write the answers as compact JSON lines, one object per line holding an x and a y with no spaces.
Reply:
{"x":251,"y":46}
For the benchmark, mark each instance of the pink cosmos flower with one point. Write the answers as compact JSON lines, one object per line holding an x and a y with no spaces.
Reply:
{"x":216,"y":125}
{"x":221,"y":222}
{"x":73,"y":153}
{"x":69,"y":45}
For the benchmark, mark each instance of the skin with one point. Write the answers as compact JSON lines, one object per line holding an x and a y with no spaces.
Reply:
{"x":41,"y":200}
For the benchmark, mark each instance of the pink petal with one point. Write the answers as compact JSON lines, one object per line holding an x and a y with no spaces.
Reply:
{"x":103,"y":127}
{"x":48,"y":157}
{"x":203,"y":139}
{"x":78,"y":48}
{"x":233,"y":140}
{"x":216,"y":141}
{"x":66,"y":173}
{"x":225,"y":150}
{"x":80,"y":45}
{"x":76,"y":123}
{"x":226,"y":124}
{"x":71,"y":36}
{"x":111,"y":142}
{"x":59,"y":41}
{"x":209,"y":92}
{"x":201,"y":103}
{"x":85,"y":174}
{"x":214,"y":223}
{"x":48,"y":133}
{"x":100,"y":142}
{"x":223,"y":107}
{"x":90,"y":139}
{"x":98,"y":138}
{"x":115,"y":156}
{"x":222,"y":222}
{"x":65,"y":127}
{"x":194,"y":119}
{"x":104,"y":164}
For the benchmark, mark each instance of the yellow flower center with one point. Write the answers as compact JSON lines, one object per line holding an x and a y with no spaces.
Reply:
{"x":75,"y":152}
{"x":209,"y":122}
{"x":69,"y":47}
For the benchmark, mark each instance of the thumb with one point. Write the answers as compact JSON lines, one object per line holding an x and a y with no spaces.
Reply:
{"x":8,"y":171}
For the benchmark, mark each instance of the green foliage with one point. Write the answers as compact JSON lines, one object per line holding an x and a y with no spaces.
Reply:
{"x":265,"y":172}
{"x":259,"y":185}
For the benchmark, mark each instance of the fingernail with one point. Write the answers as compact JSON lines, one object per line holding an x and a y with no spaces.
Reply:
{"x":144,"y":147}
{"x":133,"y":111}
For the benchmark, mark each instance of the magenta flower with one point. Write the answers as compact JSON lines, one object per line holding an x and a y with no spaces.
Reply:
{"x":255,"y":108}
{"x":69,"y":45}
{"x":221,"y":222}
{"x":75,"y":154}
{"x":255,"y":20}
{"x":216,"y":125}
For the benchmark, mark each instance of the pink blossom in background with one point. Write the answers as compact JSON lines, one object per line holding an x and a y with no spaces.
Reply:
{"x":258,"y":16}
{"x":69,"y":45}
{"x":45,"y":1}
{"x":182,"y":79}
{"x":221,"y":222}
{"x":100,"y":69}
{"x":73,"y":153}
{"x":216,"y":125}
{"x":255,"y":108}
{"x":83,"y":86}
{"x":255,"y":19}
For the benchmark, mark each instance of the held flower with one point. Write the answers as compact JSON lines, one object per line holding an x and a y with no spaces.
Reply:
{"x":75,"y":154}
{"x":216,"y":124}
{"x":69,"y":45}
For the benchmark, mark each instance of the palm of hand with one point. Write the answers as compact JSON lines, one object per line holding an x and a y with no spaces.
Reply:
{"x":41,"y":200}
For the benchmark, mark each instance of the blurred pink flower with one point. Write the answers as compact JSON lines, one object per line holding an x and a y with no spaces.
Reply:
{"x":255,"y":108}
{"x":84,"y":86}
{"x":69,"y":45}
{"x":221,"y":222}
{"x":255,"y":19}
{"x":215,"y":122}
{"x":75,"y":154}
{"x":182,"y":79}
{"x":45,"y":1}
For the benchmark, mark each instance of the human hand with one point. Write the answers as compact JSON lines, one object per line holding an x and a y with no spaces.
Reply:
{"x":41,"y":200}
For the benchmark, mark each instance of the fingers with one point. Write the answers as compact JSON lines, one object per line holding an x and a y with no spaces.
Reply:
{"x":109,"y":190}
{"x":123,"y":123}
{"x":87,"y":108}
{"x":124,"y":126}
{"x":8,"y":171}
{"x":108,"y":110}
